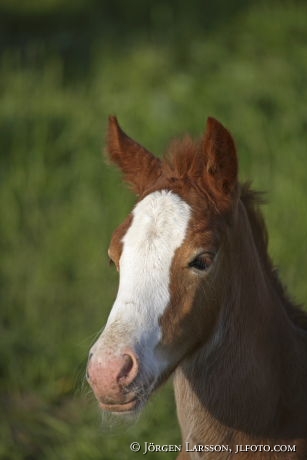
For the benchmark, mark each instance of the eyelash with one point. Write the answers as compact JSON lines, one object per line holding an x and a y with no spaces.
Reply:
{"x":202,"y":262}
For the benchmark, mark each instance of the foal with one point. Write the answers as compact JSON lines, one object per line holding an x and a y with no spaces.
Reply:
{"x":198,"y":297}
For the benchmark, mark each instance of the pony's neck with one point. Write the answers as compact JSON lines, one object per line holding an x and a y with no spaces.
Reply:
{"x":251,"y":377}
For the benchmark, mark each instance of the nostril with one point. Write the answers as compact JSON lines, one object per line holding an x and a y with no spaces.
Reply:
{"x":127,"y":366}
{"x":129,"y":369}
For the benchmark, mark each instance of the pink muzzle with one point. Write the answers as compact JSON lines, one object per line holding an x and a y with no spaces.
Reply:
{"x":110,"y":377}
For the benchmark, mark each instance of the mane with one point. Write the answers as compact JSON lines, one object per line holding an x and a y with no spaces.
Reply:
{"x":252,"y":201}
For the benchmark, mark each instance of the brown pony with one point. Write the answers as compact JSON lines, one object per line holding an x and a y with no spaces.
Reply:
{"x":199,"y":297}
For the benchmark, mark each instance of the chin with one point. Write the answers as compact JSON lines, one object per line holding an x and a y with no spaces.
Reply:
{"x":121,"y":416}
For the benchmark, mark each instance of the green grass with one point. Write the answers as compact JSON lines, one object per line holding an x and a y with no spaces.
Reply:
{"x":60,"y":201}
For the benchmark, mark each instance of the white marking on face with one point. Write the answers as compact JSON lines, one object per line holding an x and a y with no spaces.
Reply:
{"x":158,"y":228}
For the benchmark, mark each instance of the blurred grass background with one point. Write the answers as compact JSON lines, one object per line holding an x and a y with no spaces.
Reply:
{"x":162,"y":68}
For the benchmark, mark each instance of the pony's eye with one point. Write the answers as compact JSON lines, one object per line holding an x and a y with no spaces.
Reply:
{"x":202,"y":261}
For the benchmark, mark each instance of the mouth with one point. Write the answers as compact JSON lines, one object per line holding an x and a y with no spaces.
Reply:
{"x":126,"y":407}
{"x":138,"y":398}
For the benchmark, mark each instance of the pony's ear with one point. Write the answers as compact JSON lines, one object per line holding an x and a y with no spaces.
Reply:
{"x":140,"y":168}
{"x":221,"y":161}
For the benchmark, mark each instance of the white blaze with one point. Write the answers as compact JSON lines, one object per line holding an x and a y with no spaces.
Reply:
{"x":158,"y":228}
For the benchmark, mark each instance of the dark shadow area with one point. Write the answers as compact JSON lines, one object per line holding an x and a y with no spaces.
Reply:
{"x":73,"y":31}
